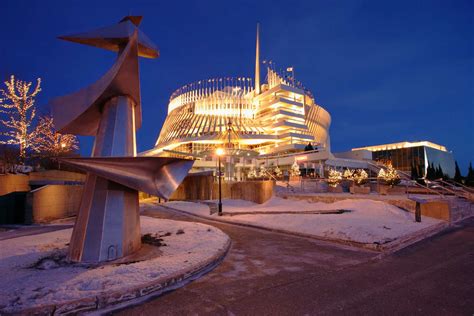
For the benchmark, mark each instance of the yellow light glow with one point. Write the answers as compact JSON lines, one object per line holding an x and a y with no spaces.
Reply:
{"x":219,"y":151}
{"x":402,"y":145}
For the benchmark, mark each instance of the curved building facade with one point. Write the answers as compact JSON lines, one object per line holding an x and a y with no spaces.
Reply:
{"x":254,"y":122}
{"x":229,"y":112}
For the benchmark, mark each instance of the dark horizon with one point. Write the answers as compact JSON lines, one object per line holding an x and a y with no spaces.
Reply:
{"x":386,"y":72}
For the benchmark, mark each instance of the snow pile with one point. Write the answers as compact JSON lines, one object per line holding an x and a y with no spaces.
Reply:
{"x":188,"y":246}
{"x":367,"y":222}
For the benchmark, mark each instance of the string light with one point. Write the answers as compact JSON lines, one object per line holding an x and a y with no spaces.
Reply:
{"x":50,"y":143}
{"x":295,"y":169}
{"x":20,"y":111}
{"x":360,"y":177}
{"x":335,"y":177}
{"x":389,"y":176}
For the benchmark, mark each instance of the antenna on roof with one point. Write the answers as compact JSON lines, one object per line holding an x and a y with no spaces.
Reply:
{"x":257,"y":61}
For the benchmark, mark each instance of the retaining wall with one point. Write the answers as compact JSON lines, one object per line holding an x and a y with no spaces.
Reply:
{"x":203,"y":187}
{"x":439,"y":209}
{"x":57,"y":175}
{"x":194,"y":187}
{"x":52,"y":202}
{"x":20,"y":182}
{"x":254,"y":191}
{"x":14,"y":183}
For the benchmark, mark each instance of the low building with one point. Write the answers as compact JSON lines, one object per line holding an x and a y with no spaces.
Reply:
{"x":404,"y":155}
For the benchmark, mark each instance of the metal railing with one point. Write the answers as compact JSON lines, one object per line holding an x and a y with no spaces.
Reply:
{"x":457,"y":184}
{"x":425,"y":187}
{"x":440,"y":188}
{"x":457,"y":191}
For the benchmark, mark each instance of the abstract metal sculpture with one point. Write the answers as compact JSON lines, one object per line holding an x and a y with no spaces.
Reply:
{"x":108,"y":223}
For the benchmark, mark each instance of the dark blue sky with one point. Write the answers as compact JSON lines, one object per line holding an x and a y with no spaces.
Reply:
{"x":387,"y":71}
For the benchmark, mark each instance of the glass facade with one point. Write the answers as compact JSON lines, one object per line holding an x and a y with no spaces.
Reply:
{"x":403,"y":158}
{"x":442,"y":158}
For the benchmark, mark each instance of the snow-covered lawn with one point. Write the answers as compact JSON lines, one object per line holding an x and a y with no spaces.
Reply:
{"x":367,"y":222}
{"x":22,"y":286}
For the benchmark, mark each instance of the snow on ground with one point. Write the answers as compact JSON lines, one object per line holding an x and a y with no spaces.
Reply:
{"x":367,"y":222}
{"x":23,"y":286}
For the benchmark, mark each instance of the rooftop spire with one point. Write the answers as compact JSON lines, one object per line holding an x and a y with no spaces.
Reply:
{"x":257,"y":61}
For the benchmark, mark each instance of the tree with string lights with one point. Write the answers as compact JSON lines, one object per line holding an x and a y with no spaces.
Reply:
{"x":51,"y":144}
{"x":277,"y":171}
{"x":390,"y":176}
{"x":334,"y":178}
{"x":252,"y":173}
{"x":295,"y":169}
{"x":17,"y":103}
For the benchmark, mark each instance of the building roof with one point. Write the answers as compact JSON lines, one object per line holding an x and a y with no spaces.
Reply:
{"x":402,"y":145}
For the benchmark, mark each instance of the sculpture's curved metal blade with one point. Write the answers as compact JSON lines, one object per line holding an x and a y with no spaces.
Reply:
{"x":108,"y":223}
{"x":116,"y":36}
{"x":80,"y":112}
{"x":159,"y":176}
{"x":135,"y":19}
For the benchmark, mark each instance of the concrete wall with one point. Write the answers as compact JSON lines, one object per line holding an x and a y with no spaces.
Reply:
{"x":362,"y":154}
{"x":13,"y":183}
{"x":254,"y":191}
{"x":437,"y":209}
{"x":194,"y":187}
{"x":57,"y":175}
{"x":203,"y":187}
{"x":52,"y":202}
{"x":20,"y":182}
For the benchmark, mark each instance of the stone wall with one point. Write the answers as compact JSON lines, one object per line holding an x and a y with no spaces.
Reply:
{"x":52,"y":202}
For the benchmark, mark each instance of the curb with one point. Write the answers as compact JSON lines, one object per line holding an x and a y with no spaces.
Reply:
{"x":120,"y":299}
{"x":387,"y":248}
{"x":413,"y":238}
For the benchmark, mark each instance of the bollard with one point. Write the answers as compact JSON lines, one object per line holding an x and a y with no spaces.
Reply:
{"x":418,"y":212}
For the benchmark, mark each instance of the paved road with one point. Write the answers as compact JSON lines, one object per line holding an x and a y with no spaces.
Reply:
{"x":273,"y":274}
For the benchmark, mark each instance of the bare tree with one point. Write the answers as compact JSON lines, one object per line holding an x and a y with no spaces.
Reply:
{"x":18,"y":104}
{"x":49,"y":143}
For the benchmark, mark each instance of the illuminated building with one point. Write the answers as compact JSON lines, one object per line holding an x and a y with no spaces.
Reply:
{"x":262,"y":123}
{"x":243,"y":115}
{"x":404,"y":155}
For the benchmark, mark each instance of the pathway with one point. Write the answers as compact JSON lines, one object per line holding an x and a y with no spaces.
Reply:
{"x":269,"y":273}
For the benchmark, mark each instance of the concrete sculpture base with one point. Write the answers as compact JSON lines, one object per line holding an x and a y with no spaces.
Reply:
{"x":108,"y":224}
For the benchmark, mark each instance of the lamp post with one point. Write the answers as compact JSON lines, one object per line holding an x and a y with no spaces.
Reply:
{"x":219,"y":153}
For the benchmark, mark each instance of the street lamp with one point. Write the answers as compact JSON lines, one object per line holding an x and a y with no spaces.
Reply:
{"x":219,"y":153}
